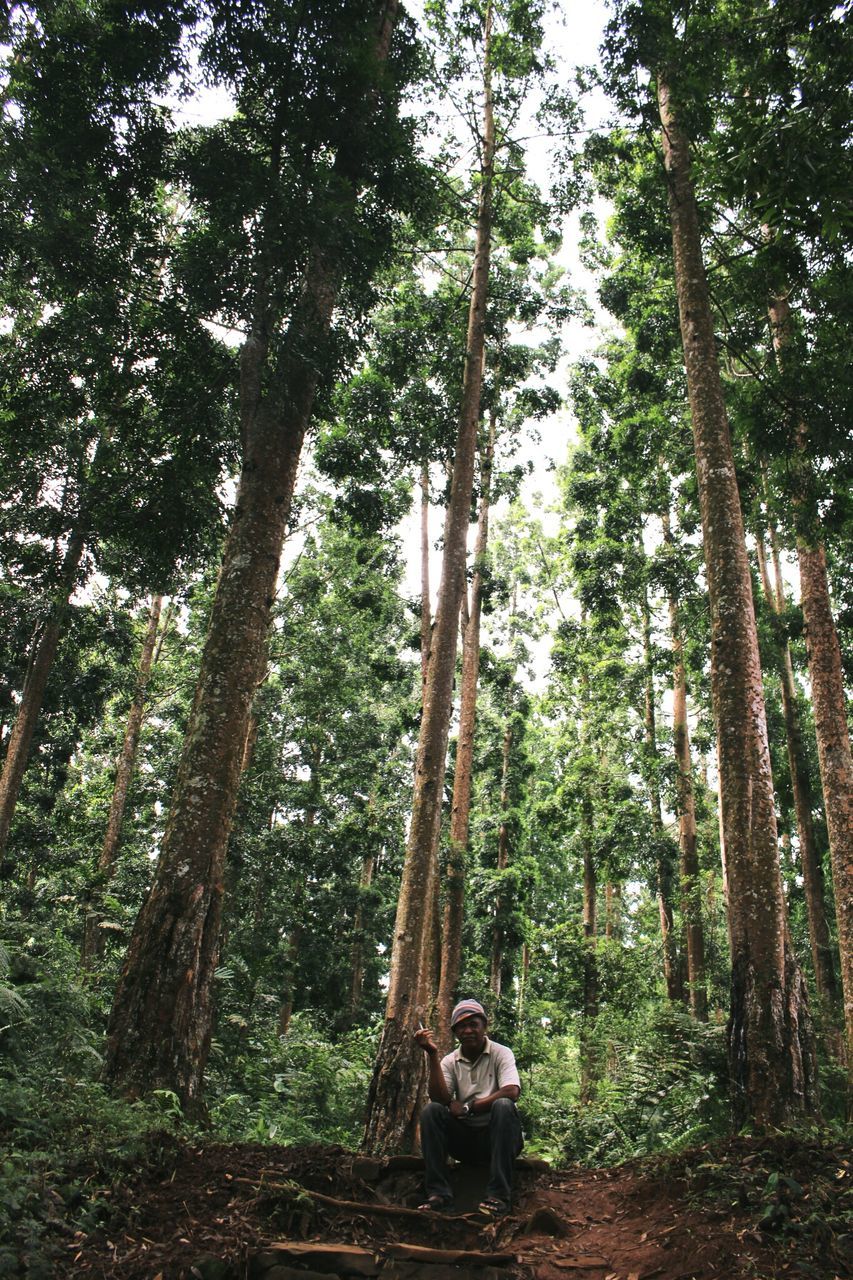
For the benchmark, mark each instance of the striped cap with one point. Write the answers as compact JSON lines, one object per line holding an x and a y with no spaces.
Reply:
{"x":465,"y":1009}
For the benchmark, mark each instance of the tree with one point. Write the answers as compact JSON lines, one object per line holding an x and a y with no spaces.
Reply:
{"x":769,"y":1049}
{"x":123,"y":775}
{"x":318,"y":93}
{"x":505,"y":40}
{"x":113,"y":388}
{"x":392,"y":1102}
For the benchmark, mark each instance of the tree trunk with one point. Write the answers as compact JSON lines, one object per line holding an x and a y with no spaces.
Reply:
{"x":32,"y":696}
{"x":496,"y":966}
{"x":671,"y":965}
{"x":161,"y":1022}
{"x":612,"y":910}
{"x":588,"y":1056}
{"x":357,"y":950}
{"x":288,"y":995}
{"x":124,"y":773}
{"x":523,"y":980}
{"x":810,"y":862}
{"x":770,"y":1051}
{"x":392,"y":1100}
{"x":691,"y":898}
{"x":828,"y":701}
{"x":451,"y":938}
{"x":426,"y":618}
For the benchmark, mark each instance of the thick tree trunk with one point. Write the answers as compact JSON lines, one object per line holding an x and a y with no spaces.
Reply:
{"x":162,"y":1017}
{"x":810,"y":862}
{"x":124,"y":773}
{"x":32,"y":697}
{"x":691,"y":898}
{"x":394,"y":1089}
{"x":460,"y":812}
{"x":770,"y":1051}
{"x":671,"y":965}
{"x":828,"y":699}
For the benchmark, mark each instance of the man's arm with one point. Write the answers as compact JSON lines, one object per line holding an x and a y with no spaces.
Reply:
{"x":479,"y":1105}
{"x":509,"y":1085}
{"x":436,"y":1083}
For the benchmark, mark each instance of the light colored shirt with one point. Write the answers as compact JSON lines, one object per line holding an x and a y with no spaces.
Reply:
{"x":468,"y":1081}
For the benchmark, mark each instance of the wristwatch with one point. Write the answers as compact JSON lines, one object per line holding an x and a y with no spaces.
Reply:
{"x":466,"y":1108}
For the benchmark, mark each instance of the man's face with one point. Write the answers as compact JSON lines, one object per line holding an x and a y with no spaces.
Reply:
{"x":471,"y":1032}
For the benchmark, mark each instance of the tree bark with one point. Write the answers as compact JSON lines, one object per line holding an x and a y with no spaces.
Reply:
{"x":392,"y":1100}
{"x":671,"y":965}
{"x":451,"y":934}
{"x":770,"y":1050}
{"x":124,"y":773}
{"x":357,"y":949}
{"x":162,"y":1017}
{"x":588,"y":1056}
{"x":834,"y":757}
{"x":828,"y":697}
{"x":810,"y":862}
{"x":691,"y":898}
{"x":496,"y":966}
{"x":612,"y":910}
{"x":426,"y":610}
{"x":32,"y":696}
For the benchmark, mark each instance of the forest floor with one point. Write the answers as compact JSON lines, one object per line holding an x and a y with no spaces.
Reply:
{"x":743,"y":1209}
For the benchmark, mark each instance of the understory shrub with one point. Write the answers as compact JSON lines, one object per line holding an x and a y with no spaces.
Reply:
{"x":663,"y":1087}
{"x":296,"y":1088}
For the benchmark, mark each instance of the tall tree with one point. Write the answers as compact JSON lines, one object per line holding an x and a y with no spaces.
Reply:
{"x":770,"y":1054}
{"x":686,"y":808}
{"x":123,"y":775}
{"x":489,"y":52}
{"x":392,"y":1101}
{"x":100,"y":350}
{"x":318,"y":91}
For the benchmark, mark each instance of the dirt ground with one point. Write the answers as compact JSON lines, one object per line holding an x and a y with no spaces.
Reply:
{"x":748,"y":1209}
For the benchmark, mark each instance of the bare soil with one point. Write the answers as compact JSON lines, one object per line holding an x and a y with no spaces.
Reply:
{"x":746,"y":1209}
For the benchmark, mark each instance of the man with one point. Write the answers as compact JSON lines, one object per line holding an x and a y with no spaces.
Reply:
{"x":471,"y":1114}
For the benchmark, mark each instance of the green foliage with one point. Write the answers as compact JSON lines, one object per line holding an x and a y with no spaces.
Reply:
{"x":304,"y":1086}
{"x":664,"y":1087}
{"x":56,"y":1120}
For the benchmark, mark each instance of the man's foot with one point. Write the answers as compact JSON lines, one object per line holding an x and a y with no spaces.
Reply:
{"x":436,"y":1204}
{"x":494,"y":1207}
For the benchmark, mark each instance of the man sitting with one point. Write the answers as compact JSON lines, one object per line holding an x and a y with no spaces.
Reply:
{"x":472,"y":1114}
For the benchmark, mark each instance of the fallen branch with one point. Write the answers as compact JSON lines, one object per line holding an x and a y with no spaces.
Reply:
{"x":353,"y":1206}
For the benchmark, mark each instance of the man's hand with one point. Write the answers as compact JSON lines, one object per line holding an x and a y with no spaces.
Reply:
{"x":436,"y":1083}
{"x":458,"y":1109}
{"x":424,"y":1037}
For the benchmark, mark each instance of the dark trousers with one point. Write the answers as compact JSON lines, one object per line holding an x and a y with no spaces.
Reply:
{"x":495,"y":1144}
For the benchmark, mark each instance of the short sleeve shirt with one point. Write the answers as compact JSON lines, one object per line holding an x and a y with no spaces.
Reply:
{"x":467,"y":1081}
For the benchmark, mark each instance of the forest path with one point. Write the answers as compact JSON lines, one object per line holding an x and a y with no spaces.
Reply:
{"x":746,"y":1209}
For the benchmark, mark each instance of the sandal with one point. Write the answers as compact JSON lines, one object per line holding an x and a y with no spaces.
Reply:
{"x":494,"y":1207}
{"x":435,"y":1204}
